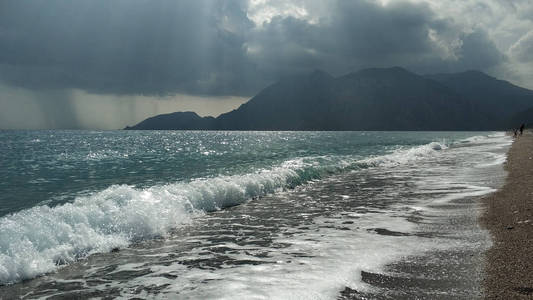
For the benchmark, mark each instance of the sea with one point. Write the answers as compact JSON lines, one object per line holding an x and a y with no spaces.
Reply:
{"x":240,"y":215}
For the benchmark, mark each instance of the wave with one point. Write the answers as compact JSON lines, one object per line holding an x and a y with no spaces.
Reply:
{"x":488,"y":138}
{"x":404,"y":156}
{"x":38,"y":240}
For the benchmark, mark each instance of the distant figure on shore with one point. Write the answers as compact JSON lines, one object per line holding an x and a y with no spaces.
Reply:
{"x":515,"y":135}
{"x":522,"y":128}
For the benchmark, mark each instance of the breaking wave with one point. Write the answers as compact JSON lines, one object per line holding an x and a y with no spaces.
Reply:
{"x":404,"y":156}
{"x":39,"y":240}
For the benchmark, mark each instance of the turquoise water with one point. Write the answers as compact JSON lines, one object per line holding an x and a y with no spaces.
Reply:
{"x":194,"y":213}
{"x":54,"y":167}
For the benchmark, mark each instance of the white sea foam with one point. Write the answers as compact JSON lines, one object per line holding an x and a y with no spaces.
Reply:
{"x":37,"y":240}
{"x":325,"y":268}
{"x":405,"y":155}
{"x":335,"y":258}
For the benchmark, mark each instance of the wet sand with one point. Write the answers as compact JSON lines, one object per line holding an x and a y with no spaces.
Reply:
{"x":458,"y":272}
{"x":454,"y":273}
{"x":509,"y":218}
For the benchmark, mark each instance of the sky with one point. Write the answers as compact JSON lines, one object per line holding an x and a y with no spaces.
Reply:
{"x":103,"y":64}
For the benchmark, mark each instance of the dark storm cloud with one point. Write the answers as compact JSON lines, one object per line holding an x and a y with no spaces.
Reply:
{"x":211,"y":47}
{"x":132,"y":46}
{"x":479,"y":52}
{"x":366,"y":34}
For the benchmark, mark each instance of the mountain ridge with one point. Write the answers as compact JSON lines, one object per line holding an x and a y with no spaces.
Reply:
{"x":369,"y":99}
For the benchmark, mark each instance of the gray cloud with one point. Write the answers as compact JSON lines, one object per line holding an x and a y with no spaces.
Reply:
{"x":479,"y":52}
{"x":366,"y":34}
{"x":359,"y":33}
{"x":522,"y":50}
{"x":214,"y":48}
{"x":120,"y":46}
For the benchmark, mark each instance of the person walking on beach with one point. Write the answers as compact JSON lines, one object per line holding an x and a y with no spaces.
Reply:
{"x":522,"y":128}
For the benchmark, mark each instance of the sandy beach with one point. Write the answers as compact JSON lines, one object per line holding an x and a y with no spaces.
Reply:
{"x":509,"y":218}
{"x":456,"y":271}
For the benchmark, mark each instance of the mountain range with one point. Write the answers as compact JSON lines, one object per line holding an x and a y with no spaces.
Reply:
{"x":370,"y":99}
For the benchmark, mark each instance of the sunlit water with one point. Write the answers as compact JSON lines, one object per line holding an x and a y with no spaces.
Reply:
{"x":228,"y":214}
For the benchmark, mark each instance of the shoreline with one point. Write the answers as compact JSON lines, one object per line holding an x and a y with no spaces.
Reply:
{"x":450,"y":273}
{"x":448,"y":225}
{"x":457,"y":272}
{"x":508,"y":216}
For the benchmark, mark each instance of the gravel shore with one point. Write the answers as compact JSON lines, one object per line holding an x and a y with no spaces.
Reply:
{"x":509,"y":218}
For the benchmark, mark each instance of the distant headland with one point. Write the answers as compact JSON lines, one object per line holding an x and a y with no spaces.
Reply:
{"x":370,"y":99}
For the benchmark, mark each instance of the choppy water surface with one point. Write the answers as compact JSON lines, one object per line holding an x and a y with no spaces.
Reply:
{"x":229,"y":214}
